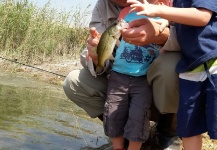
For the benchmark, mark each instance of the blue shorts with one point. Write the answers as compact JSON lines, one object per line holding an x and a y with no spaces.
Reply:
{"x":197,"y":111}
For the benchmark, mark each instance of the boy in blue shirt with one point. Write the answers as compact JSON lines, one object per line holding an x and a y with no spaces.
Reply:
{"x":129,"y":96}
{"x":196,"y":26}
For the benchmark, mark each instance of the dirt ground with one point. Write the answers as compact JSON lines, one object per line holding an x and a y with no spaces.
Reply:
{"x":54,"y":72}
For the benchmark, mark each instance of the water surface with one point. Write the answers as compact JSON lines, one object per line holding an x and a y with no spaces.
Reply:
{"x":37,"y":116}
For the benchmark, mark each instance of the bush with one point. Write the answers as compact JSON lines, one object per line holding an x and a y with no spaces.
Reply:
{"x":32,"y":34}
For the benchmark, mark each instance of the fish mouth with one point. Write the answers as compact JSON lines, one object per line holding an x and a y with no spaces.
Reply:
{"x":122,"y":24}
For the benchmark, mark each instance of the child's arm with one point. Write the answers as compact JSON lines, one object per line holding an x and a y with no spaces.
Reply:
{"x":188,"y":16}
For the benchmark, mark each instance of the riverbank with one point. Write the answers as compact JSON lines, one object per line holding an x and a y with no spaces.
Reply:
{"x":52,"y":72}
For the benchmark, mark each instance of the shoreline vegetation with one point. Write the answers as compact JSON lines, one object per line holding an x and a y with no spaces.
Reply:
{"x":35,"y":35}
{"x":48,"y":39}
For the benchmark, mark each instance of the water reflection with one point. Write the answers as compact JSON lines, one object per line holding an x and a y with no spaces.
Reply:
{"x":37,"y":116}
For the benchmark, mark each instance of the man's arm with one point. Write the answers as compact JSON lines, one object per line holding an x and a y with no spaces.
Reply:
{"x":102,"y":16}
{"x":89,"y":57}
{"x":96,"y":25}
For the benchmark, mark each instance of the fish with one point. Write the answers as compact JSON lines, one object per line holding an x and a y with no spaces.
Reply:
{"x":107,"y":42}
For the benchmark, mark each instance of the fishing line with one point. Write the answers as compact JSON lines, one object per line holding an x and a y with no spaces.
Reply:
{"x":14,"y":61}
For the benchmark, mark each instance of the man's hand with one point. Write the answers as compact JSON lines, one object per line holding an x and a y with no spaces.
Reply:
{"x":143,"y":32}
{"x":92,"y":43}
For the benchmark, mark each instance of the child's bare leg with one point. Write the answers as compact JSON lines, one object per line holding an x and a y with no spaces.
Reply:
{"x":134,"y":145}
{"x":192,"y":143}
{"x":118,"y":142}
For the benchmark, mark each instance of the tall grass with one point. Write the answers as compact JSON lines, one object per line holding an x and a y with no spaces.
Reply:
{"x":33,"y":34}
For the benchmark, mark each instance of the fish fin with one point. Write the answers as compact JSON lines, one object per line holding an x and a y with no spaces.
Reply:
{"x":118,"y":43}
{"x":111,"y":57}
{"x":99,"y":70}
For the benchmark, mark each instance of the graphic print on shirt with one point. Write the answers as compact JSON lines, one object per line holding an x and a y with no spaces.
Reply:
{"x":131,"y":59}
{"x":137,"y":54}
{"x":134,"y":60}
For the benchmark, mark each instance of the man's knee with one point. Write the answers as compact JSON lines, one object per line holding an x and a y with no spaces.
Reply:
{"x":86,"y":91}
{"x":69,"y":83}
{"x":164,"y":81}
{"x":164,"y":67}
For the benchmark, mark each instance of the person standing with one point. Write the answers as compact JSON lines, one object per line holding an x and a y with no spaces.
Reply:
{"x":196,"y":22}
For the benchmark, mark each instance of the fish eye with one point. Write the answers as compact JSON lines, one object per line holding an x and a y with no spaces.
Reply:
{"x":115,"y":22}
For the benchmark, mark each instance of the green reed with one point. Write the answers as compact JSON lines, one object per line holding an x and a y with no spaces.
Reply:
{"x":33,"y":34}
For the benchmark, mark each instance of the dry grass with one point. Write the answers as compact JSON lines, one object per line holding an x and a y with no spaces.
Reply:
{"x":31,"y":34}
{"x":209,"y":144}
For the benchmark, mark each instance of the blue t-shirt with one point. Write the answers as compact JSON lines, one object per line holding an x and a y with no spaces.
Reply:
{"x":198,"y":44}
{"x":131,"y":59}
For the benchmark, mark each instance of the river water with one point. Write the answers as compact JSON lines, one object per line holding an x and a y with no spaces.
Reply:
{"x":37,"y":116}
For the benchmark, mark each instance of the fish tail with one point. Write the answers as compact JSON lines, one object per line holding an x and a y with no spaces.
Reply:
{"x":99,"y":69}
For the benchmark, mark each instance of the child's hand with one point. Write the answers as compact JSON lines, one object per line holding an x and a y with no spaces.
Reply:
{"x":162,"y":22}
{"x":136,"y":6}
{"x":143,"y":8}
